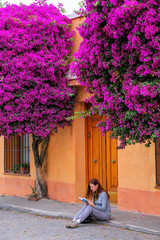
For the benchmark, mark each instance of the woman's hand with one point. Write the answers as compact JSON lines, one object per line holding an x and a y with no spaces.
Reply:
{"x":91,"y":204}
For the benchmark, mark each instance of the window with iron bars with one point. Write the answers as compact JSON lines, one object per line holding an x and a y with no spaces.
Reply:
{"x":157,"y":156}
{"x":17,"y":154}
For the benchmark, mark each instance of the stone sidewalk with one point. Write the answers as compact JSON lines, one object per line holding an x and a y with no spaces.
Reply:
{"x":122,"y":219}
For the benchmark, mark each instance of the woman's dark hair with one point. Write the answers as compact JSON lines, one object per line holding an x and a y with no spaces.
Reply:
{"x":99,"y":189}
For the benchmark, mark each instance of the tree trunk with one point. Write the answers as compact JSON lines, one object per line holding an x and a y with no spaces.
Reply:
{"x":41,"y":185}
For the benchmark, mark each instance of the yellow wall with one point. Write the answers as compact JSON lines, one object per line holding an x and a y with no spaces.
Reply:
{"x":65,"y":161}
{"x":137,"y":179}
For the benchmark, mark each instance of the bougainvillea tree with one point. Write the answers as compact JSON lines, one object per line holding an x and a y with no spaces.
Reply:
{"x":119,"y":63}
{"x":35,"y":44}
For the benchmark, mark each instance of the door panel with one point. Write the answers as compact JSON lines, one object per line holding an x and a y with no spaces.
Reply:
{"x":112,"y":167}
{"x":102,"y":157}
{"x":94,"y":150}
{"x":96,"y":153}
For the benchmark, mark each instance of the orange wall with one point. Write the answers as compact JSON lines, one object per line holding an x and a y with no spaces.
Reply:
{"x":77,"y":38}
{"x":137,"y":179}
{"x":65,"y":161}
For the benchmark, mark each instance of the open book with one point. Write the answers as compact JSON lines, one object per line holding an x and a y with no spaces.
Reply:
{"x":84,"y":199}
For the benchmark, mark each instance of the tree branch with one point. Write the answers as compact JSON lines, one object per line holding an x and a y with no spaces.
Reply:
{"x":35,"y":147}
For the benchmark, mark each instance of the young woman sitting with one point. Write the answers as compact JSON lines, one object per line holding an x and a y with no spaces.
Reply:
{"x":98,"y":208}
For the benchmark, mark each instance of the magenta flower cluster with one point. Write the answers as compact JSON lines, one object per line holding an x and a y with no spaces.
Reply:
{"x":119,"y":63}
{"x":35,"y":43}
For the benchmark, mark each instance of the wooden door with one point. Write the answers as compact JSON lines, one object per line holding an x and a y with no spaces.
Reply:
{"x":102,"y":157}
{"x":111,"y":166}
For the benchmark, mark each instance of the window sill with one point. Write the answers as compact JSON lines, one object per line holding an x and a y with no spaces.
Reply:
{"x":17,"y":174}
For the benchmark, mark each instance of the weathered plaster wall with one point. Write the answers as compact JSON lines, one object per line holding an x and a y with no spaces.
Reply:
{"x":137,"y":178}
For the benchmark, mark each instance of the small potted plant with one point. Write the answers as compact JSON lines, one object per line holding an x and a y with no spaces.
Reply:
{"x":34,"y":195}
{"x":16,"y":168}
{"x":24,"y":167}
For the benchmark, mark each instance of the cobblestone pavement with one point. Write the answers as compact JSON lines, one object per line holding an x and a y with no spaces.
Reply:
{"x":14,"y":226}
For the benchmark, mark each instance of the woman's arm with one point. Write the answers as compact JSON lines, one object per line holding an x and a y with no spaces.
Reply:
{"x":91,"y":204}
{"x":103,"y":207}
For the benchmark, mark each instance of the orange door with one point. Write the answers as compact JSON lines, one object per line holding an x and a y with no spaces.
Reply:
{"x":102,"y":157}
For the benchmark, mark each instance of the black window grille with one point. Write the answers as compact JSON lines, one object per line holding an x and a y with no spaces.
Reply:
{"x":17,"y":154}
{"x":157,"y":156}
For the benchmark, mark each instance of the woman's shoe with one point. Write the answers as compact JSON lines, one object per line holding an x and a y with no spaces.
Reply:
{"x":72,"y":224}
{"x":68,"y":224}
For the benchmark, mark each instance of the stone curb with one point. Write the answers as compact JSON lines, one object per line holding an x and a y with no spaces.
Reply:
{"x":133,"y":228}
{"x":9,"y":207}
